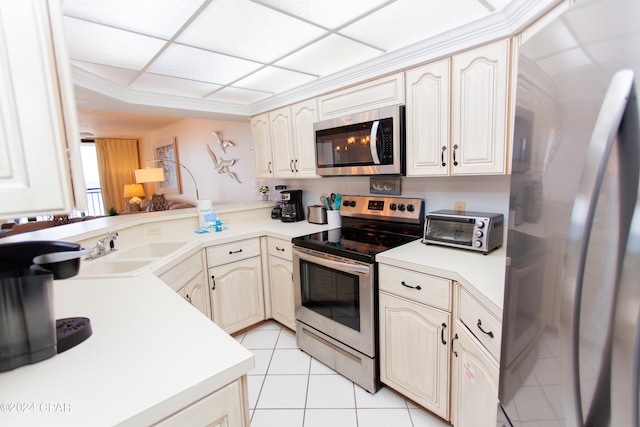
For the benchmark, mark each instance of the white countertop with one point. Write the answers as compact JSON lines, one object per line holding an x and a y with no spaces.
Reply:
{"x":151,"y":354}
{"x":482,"y":275}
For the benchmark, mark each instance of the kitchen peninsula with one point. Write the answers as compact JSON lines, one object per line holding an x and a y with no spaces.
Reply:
{"x":152,"y":356}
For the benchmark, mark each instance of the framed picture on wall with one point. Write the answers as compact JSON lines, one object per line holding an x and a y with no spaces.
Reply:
{"x":168,"y":152}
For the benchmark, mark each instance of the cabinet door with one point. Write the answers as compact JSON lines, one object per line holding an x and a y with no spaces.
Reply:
{"x":40,"y":169}
{"x":427,"y":120}
{"x":479,"y":109}
{"x":262,"y":145}
{"x":237,"y":299}
{"x":474,"y":382}
{"x":414,"y":352}
{"x":226,"y":407}
{"x":304,"y":115}
{"x":282,"y":302}
{"x":195,"y":292}
{"x":281,"y":143}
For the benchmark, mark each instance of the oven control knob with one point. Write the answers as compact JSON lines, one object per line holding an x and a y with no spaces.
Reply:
{"x":393,"y":206}
{"x":478,"y":233}
{"x":352,"y":203}
{"x":477,"y":243}
{"x":479,"y":224}
{"x":401,"y":207}
{"x":410,"y":208}
{"x":345,"y":203}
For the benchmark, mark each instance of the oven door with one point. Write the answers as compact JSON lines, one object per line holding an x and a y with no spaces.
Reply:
{"x":336,"y":296}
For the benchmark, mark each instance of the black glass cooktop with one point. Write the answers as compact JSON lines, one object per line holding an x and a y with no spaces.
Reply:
{"x":354,"y":243}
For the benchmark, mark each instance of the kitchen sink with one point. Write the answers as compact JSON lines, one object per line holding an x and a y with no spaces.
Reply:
{"x":146,"y":250}
{"x":104,"y":267}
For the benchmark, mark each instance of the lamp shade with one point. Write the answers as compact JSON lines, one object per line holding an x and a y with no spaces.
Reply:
{"x":133,"y":190}
{"x":149,"y":175}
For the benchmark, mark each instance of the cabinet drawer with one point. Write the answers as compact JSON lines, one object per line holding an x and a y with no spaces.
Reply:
{"x":279,"y":248}
{"x":418,"y":287}
{"x":183,"y":272}
{"x":481,"y":323}
{"x":234,"y":251}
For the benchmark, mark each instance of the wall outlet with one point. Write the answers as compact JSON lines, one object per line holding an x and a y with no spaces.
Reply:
{"x":153,"y":230}
{"x":459,"y":207}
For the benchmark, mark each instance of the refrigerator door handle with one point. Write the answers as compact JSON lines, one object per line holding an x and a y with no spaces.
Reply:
{"x":582,"y":215}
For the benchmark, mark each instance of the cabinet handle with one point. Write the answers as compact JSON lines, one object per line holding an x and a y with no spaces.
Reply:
{"x":269,"y":167}
{"x":213,"y":283}
{"x":444,"y":326}
{"x":412,"y":287}
{"x":280,"y":249}
{"x":455,"y":353}
{"x":291,"y":165}
{"x":188,"y":298}
{"x":295,"y":165}
{"x":455,"y":148}
{"x":235,"y":252}
{"x":444,"y":148}
{"x":490,"y":333}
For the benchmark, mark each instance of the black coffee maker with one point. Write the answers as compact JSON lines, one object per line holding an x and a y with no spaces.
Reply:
{"x":292,"y":209}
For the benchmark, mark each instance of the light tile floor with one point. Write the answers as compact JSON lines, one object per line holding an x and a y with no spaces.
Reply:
{"x":287,"y":388}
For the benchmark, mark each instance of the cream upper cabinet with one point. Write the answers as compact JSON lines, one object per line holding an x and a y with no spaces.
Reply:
{"x":40,"y":168}
{"x":427,"y":120}
{"x":287,"y":147}
{"x":304,"y":115}
{"x":479,"y":110}
{"x":260,"y":131}
{"x":383,"y":92}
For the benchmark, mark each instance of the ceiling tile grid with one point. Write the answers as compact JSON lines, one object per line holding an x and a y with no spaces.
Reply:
{"x":244,"y":51}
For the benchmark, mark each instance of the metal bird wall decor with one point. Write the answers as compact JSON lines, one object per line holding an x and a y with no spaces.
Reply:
{"x":223,"y":165}
{"x":224,"y":144}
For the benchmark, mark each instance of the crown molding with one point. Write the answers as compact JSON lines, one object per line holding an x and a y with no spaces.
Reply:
{"x":508,"y":22}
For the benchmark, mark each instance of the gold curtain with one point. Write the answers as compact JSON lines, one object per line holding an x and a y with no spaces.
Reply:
{"x":117,"y":160}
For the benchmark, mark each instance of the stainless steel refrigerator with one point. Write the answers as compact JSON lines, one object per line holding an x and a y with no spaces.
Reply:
{"x":571,"y":314}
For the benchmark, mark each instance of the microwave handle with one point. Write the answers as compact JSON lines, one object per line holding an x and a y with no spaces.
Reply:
{"x":372,"y":142}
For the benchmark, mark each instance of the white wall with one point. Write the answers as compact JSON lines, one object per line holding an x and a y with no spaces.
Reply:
{"x":480,"y":193}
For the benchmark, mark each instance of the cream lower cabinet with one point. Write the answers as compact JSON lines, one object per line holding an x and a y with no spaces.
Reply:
{"x":227,"y":407}
{"x":186,"y":277}
{"x":281,"y":282}
{"x":474,"y":384}
{"x":235,"y":284}
{"x":475,"y":353}
{"x":415,"y":332}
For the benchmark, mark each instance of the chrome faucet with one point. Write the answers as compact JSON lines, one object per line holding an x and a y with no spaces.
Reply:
{"x":101,"y":246}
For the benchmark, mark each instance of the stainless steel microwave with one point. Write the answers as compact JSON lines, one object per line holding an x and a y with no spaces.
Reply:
{"x":368,"y":143}
{"x":477,"y":231}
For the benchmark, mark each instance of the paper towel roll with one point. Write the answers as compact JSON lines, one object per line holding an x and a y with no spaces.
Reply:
{"x":204,"y":208}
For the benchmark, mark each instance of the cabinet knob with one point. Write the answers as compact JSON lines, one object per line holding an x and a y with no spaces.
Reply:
{"x":417,"y":287}
{"x":455,"y":149}
{"x":213,"y":283}
{"x":235,"y":252}
{"x":188,"y":298}
{"x":444,"y":148}
{"x":455,"y":353}
{"x":444,"y":326}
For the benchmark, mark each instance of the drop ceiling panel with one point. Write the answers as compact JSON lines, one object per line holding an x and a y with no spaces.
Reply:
{"x":555,"y":39}
{"x":197,"y":64}
{"x":272,"y":79}
{"x":235,"y":95}
{"x":613,"y":21}
{"x":145,"y":17}
{"x":329,"y":55}
{"x":173,"y":86}
{"x":569,"y":61}
{"x":248,"y":30}
{"x":421,"y":19}
{"x":327,"y":13}
{"x":109,"y":46}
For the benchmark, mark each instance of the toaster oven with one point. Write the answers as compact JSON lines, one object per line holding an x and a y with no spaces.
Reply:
{"x":477,"y":231}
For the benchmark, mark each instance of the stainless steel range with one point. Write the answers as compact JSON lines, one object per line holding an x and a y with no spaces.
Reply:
{"x":336,"y":285}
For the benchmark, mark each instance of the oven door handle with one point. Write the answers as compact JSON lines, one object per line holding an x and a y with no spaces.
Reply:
{"x":372,"y":143}
{"x":329,"y":261}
